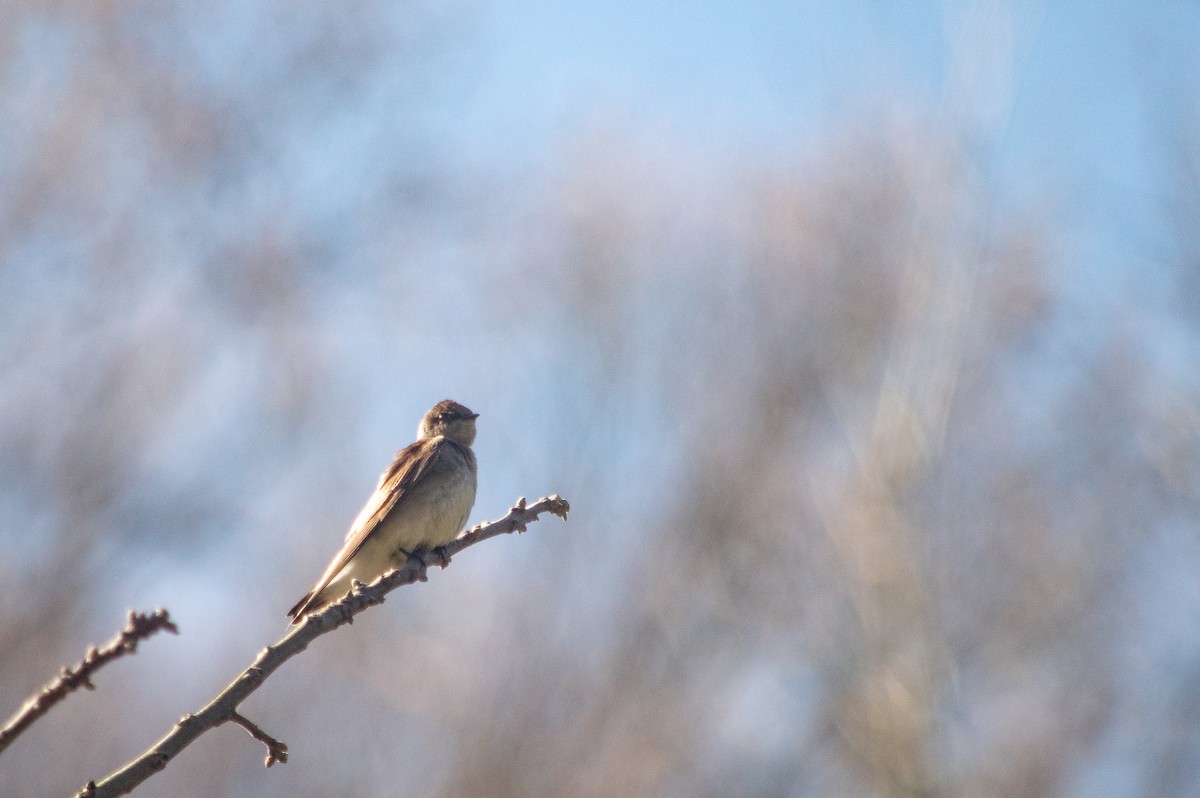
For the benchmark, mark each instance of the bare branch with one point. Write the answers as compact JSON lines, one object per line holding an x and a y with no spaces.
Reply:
{"x":223,"y":708}
{"x":276,"y":750}
{"x":137,"y":628}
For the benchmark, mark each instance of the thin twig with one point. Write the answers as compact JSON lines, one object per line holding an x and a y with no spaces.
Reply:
{"x":276,"y":750}
{"x":224,"y":706}
{"x":137,"y":628}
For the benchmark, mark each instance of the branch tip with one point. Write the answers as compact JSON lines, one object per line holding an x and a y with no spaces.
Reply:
{"x":559,"y":506}
{"x":138,"y":627}
{"x":276,"y":751}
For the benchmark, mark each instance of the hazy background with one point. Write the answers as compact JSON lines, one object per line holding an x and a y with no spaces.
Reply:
{"x":863,"y":342}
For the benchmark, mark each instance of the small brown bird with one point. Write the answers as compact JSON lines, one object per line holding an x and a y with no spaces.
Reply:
{"x":422,"y":501}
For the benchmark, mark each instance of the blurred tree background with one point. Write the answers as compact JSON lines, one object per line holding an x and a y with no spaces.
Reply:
{"x":874,"y":492}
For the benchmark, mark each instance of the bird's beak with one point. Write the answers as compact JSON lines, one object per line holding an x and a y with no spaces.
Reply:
{"x":474,"y":416}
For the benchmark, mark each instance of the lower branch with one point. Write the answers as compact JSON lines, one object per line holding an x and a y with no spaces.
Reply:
{"x":137,"y":628}
{"x":276,"y":751}
{"x":223,"y":708}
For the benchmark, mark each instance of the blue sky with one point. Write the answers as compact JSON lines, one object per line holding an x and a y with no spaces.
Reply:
{"x":1073,"y":102}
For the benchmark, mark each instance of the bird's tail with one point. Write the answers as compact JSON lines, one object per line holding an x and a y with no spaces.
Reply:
{"x":301,"y":609}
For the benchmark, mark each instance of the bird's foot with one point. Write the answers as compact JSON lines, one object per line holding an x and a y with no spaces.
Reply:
{"x":443,"y":559}
{"x":415,"y":554}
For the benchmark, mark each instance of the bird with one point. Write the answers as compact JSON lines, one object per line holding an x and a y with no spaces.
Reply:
{"x":421,"y":502}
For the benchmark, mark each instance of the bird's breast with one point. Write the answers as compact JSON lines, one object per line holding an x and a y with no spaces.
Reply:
{"x":435,"y":509}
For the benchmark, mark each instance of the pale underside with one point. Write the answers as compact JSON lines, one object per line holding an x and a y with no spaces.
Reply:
{"x":422,"y":501}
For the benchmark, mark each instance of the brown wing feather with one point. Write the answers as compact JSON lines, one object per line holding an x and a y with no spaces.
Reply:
{"x":410,"y":463}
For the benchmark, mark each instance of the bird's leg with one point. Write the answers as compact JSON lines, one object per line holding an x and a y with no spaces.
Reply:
{"x":412,"y":555}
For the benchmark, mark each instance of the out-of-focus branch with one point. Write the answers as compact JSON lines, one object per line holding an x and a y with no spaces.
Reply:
{"x":223,"y":708}
{"x":138,"y":628}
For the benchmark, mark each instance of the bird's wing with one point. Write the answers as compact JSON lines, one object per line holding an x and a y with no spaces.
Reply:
{"x":411,"y":462}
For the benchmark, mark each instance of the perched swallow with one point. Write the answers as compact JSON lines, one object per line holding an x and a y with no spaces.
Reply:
{"x":422,"y":501}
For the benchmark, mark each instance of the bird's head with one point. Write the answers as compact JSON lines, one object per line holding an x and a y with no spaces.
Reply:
{"x":450,"y":419}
